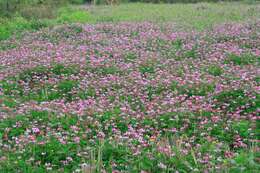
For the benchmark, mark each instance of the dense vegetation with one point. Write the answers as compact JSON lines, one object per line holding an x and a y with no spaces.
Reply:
{"x":131,"y":97}
{"x":139,"y":88}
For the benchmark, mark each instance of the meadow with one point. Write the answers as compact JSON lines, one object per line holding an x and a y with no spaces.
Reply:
{"x":187,"y":17}
{"x":136,"y":87}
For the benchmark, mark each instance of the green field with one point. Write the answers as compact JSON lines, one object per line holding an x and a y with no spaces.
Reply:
{"x":186,"y":16}
{"x":131,"y":88}
{"x":198,"y":16}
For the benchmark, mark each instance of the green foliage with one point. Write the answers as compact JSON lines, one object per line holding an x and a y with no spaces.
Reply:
{"x":5,"y":33}
{"x":242,"y":128}
{"x":244,"y":59}
{"x":16,"y":25}
{"x":199,"y":16}
{"x":57,"y":69}
{"x":36,"y":16}
{"x":201,"y":89}
{"x":66,"y":86}
{"x":190,"y":54}
{"x":30,"y":74}
{"x":60,"y":69}
{"x":28,"y":7}
{"x":77,"y":1}
{"x":177,"y":44}
{"x":236,"y":98}
{"x":7,"y":47}
{"x":38,"y":24}
{"x":10,"y":88}
{"x":8,"y":101}
{"x":215,"y":70}
{"x":100,"y":2}
{"x":233,"y":98}
{"x":55,"y":152}
{"x":154,"y":90}
{"x":257,"y":79}
{"x":49,"y":92}
{"x":130,"y":57}
{"x":245,"y":161}
{"x":38,"y":12}
{"x":116,"y":153}
{"x":146,"y":68}
{"x":41,"y":91}
{"x":90,"y":92}
{"x":168,"y":121}
{"x":46,"y":92}
{"x":73,"y":16}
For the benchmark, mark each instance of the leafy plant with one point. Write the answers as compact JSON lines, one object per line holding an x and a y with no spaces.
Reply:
{"x":244,"y":59}
{"x":215,"y":70}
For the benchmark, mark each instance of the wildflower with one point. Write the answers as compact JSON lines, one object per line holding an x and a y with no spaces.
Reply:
{"x":162,"y":166}
{"x":101,"y":135}
{"x":76,"y":139}
{"x":229,"y":154}
{"x":35,"y":130}
{"x":32,"y":138}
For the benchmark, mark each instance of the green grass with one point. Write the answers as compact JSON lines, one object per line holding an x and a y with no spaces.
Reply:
{"x":237,"y":98}
{"x":69,"y":15}
{"x":41,"y":92}
{"x":244,"y":59}
{"x":201,"y":89}
{"x":198,"y":16}
{"x":8,"y":27}
{"x":215,"y":70}
{"x":186,"y":16}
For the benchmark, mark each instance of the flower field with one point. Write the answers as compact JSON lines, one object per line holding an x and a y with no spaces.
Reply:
{"x":131,"y":97}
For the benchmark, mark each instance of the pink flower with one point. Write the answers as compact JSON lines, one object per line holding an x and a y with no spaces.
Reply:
{"x":257,"y":52}
{"x":76,"y":139}
{"x":32,"y":138}
{"x":35,"y":130}
{"x":101,"y":135}
{"x":229,"y":154}
{"x":215,"y":119}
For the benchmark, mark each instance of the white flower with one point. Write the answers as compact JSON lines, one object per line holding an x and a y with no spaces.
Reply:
{"x":161,"y":165}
